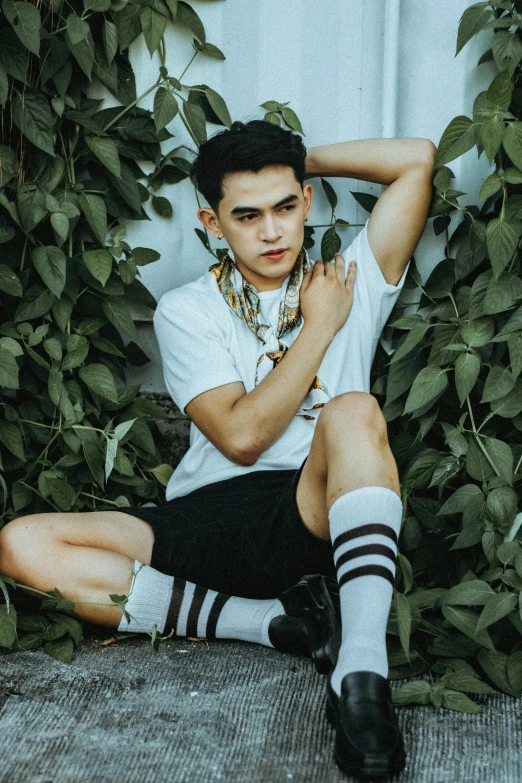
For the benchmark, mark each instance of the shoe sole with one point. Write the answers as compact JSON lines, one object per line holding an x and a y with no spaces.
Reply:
{"x":371,"y":767}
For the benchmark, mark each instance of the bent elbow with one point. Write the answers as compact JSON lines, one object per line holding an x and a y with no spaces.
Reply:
{"x":244,"y":454}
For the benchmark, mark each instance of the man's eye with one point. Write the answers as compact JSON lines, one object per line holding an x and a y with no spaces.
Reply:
{"x":245,"y":217}
{"x":289,"y":206}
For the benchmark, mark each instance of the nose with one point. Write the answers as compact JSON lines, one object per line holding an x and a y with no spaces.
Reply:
{"x":269,"y":229}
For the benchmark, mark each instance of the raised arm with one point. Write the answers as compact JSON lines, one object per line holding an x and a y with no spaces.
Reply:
{"x":399,"y":216}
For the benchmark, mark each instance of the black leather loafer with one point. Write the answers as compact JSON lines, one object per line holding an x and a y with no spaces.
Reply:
{"x":310,"y":626}
{"x":368,"y":741}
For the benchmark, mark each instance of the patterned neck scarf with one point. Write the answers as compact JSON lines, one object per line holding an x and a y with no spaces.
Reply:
{"x":242,"y":297}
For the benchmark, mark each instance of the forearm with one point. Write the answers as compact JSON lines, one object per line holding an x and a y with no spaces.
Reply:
{"x":267,"y":411}
{"x":374,"y":160}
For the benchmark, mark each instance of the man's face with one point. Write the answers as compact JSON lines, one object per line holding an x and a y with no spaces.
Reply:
{"x":261,"y":212}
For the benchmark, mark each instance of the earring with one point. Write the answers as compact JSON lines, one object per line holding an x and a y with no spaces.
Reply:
{"x":220,"y":236}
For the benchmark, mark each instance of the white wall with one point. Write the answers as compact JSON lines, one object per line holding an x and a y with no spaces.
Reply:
{"x":328,"y":60}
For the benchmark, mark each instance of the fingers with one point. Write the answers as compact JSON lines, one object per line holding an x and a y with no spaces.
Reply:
{"x":350,"y":277}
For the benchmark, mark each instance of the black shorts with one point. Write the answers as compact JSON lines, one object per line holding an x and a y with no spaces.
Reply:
{"x":242,"y":536}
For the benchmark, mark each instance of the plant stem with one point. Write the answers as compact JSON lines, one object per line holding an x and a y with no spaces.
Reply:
{"x":188,"y":66}
{"x":133,"y":104}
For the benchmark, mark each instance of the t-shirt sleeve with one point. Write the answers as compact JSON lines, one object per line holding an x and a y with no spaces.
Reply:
{"x":378,"y":295}
{"x":192,"y":347}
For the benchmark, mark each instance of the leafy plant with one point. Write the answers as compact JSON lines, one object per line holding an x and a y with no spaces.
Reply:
{"x":73,"y":435}
{"x":452,"y":394}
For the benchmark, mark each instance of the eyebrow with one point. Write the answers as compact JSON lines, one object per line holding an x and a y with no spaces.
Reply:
{"x":244,"y":210}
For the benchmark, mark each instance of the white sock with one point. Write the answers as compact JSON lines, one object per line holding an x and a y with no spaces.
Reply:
{"x":364,"y":527}
{"x":169,"y":602}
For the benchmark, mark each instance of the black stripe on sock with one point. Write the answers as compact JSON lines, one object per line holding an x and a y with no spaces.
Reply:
{"x":178,"y":591}
{"x":213,"y":617}
{"x":368,"y":549}
{"x":367,"y":570}
{"x":365,"y":530}
{"x":195,"y":608}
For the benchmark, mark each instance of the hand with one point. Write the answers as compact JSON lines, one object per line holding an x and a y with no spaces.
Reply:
{"x":326,"y":298}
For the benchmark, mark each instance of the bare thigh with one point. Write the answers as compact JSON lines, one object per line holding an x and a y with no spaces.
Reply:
{"x":113,"y":531}
{"x":311,"y":489}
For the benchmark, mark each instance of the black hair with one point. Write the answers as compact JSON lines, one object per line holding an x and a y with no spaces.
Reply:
{"x":245,"y":147}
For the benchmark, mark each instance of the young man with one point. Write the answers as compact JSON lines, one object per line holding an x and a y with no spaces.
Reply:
{"x":289,"y":470}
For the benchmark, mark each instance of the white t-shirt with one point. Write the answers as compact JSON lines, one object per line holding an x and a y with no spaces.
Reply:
{"x":204,"y":345}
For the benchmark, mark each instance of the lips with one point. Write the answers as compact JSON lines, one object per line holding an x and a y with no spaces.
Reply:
{"x":275,"y":254}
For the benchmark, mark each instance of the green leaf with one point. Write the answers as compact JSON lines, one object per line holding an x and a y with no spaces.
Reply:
{"x":493,"y":130}
{"x":499,"y":382}
{"x":93,"y":207}
{"x":77,"y":350}
{"x":427,"y":387}
{"x":474,"y":592}
{"x":9,"y":164}
{"x":291,"y":119}
{"x":490,"y":186}
{"x":460,"y":499}
{"x":9,"y":281}
{"x":403,"y":610}
{"x":513,"y":143}
{"x":165,"y":108}
{"x":107,"y":153}
{"x":163,"y":473}
{"x":32,"y":114}
{"x":466,"y":621}
{"x":366,"y":200}
{"x":144,"y":255}
{"x":50,"y":264}
{"x":219,"y":106}
{"x":14,"y":58}
{"x":416,"y":692}
{"x":511,"y":404}
{"x":330,"y":244}
{"x":467,"y":368}
{"x":458,"y":138}
{"x":7,"y":625}
{"x":501,"y":239}
{"x":153,"y":25}
{"x":507,"y":51}
{"x":53,"y":348}
{"x":110,"y":40}
{"x":478,"y":332}
{"x":272,"y":118}
{"x":62,"y":649}
{"x":195,"y":117}
{"x":11,"y":437}
{"x":110,"y":455}
{"x":212,"y":51}
{"x":500,"y":91}
{"x":330,"y":193}
{"x":99,"y":264}
{"x":8,"y":369}
{"x":495,"y":665}
{"x":162,"y":206}
{"x":453,"y":700}
{"x":117,"y":312}
{"x":34,"y":305}
{"x":60,"y":224}
{"x":185,"y":15}
{"x":502,"y":293}
{"x":25,"y":20}
{"x":99,"y":379}
{"x":515,"y":353}
{"x":514,"y":671}
{"x":471,"y":22}
{"x":77,"y":28}
{"x":62,"y":494}
{"x":83,"y":53}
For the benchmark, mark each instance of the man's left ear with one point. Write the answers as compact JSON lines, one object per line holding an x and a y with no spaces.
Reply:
{"x":308,"y":193}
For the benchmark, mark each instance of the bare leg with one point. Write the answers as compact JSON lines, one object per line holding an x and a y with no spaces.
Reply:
{"x":86,"y":556}
{"x":349,"y":450}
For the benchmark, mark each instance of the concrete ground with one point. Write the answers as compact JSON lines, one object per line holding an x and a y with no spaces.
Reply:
{"x":201,"y":712}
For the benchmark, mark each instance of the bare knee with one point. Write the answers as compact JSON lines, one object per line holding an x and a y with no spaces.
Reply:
{"x":354,"y":415}
{"x":24,"y":542}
